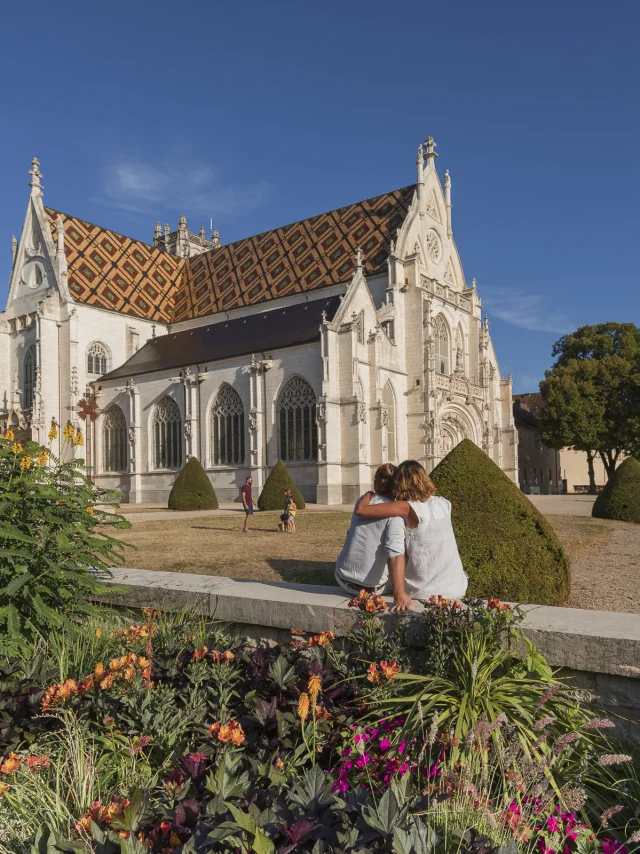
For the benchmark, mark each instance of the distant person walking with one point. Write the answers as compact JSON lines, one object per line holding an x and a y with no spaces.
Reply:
{"x":247,"y":502}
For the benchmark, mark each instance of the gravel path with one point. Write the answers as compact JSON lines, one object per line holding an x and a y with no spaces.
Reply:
{"x":607,"y":578}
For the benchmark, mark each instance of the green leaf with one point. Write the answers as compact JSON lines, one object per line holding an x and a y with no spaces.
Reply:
{"x":17,"y":583}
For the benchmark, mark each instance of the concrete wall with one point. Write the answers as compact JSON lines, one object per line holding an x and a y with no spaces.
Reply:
{"x":599,"y":651}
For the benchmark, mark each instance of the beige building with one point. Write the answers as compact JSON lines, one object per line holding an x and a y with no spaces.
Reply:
{"x":543,"y":470}
{"x":334,"y":343}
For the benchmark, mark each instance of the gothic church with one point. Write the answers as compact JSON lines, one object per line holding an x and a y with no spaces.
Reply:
{"x":334,"y":343}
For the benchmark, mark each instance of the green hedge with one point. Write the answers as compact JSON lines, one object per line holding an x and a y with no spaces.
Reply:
{"x":192,"y":489}
{"x":507,"y":547}
{"x":620,"y":499}
{"x":272,"y":495}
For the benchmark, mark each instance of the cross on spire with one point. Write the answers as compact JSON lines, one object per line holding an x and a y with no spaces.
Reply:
{"x":36,"y":175}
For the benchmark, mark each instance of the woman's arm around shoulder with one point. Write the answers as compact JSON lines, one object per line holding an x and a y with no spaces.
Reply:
{"x":366,"y":510}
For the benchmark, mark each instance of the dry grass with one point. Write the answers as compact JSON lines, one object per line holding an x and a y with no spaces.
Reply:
{"x":216,"y":546}
{"x":605,"y":555}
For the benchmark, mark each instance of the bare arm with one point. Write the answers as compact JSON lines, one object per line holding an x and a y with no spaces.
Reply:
{"x":382,"y":511}
{"x":401,"y":602}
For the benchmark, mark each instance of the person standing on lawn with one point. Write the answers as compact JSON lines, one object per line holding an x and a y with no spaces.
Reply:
{"x":247,"y":502}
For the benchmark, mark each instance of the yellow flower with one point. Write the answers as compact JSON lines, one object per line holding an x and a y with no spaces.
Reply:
{"x":9,"y":434}
{"x":53,"y":432}
{"x":17,"y":447}
{"x":303,"y":707}
{"x":43,"y":458}
{"x":78,"y":438}
{"x":314,"y":687}
{"x":91,"y":511}
{"x":68,"y":431}
{"x":25,"y":462}
{"x":4,"y":788}
{"x":98,"y":632}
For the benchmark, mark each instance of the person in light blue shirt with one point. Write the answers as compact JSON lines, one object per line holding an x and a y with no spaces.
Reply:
{"x":370,"y":551}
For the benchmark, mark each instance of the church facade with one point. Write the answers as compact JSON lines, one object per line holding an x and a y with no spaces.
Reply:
{"x":334,"y":343}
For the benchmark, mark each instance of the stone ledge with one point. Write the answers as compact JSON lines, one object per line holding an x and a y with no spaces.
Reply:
{"x":598,"y":642}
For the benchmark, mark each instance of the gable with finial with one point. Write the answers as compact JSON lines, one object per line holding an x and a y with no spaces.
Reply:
{"x":449,"y":275}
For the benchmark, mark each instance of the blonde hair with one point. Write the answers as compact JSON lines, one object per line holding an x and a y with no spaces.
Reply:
{"x":383,"y":480}
{"x":412,"y":483}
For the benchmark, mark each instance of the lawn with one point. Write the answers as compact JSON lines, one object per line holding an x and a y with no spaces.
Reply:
{"x":217,"y":546}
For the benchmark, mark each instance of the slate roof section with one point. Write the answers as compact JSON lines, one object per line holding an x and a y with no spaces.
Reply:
{"x":293,"y":259}
{"x":265,"y":332}
{"x":111,"y":271}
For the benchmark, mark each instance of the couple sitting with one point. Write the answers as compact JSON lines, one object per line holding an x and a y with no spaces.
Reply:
{"x":402,"y":524}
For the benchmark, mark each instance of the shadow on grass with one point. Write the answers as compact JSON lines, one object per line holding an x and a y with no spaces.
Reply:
{"x":304,"y":571}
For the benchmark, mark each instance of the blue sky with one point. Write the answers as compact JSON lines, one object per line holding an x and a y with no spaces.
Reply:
{"x":258,"y":114}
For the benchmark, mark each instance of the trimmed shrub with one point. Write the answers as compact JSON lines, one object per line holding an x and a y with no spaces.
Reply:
{"x":192,"y":489}
{"x":272,"y":495}
{"x":620,"y":499}
{"x":508,"y":549}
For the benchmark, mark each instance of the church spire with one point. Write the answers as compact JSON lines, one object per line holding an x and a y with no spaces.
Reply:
{"x":157,"y":234}
{"x":420,"y":180}
{"x":36,"y":175}
{"x":447,"y":196}
{"x":430,"y":152}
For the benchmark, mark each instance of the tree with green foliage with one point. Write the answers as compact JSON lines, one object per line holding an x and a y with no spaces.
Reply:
{"x":192,"y":489}
{"x":592,"y":394}
{"x":54,"y":534}
{"x":620,"y":499}
{"x":507,"y":547}
{"x":272,"y":495}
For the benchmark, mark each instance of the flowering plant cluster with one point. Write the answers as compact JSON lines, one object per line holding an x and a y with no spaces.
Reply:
{"x":370,"y":603}
{"x":302,"y":747}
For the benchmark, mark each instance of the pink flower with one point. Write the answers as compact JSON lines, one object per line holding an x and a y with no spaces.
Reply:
{"x":610,"y":846}
{"x":553,"y":825}
{"x":363,"y":760}
{"x":385,"y":743}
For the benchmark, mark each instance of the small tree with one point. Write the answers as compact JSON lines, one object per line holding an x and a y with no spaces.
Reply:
{"x":192,"y":489}
{"x":620,"y":499}
{"x":53,"y":532}
{"x":592,"y":393}
{"x":272,"y":495}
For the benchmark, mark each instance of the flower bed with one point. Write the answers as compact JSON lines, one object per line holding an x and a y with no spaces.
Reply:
{"x":170,"y":734}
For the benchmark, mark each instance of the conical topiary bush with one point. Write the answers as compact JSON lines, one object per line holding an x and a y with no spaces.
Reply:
{"x":620,"y":499}
{"x":192,"y":489}
{"x":508,"y":549}
{"x":272,"y":495}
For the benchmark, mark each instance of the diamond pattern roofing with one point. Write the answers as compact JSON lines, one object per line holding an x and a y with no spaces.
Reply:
{"x":108,"y":270}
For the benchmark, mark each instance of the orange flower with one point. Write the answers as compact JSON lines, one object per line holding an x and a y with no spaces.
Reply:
{"x":107,"y":683}
{"x":324,"y":638}
{"x":99,"y":669}
{"x":214,"y":729}
{"x":34,"y":762}
{"x":389,"y":668}
{"x":11,"y":764}
{"x":115,"y":664}
{"x":314,"y":687}
{"x":146,"y":673}
{"x":9,"y":434}
{"x":129,"y":673}
{"x":4,"y":788}
{"x":228,"y":655}
{"x":229,"y":732}
{"x":83,"y":825}
{"x":278,"y":764}
{"x":372,"y":672}
{"x":85,"y":685}
{"x":67,"y":689}
{"x":303,"y":707}
{"x":200,"y":653}
{"x":144,"y":662}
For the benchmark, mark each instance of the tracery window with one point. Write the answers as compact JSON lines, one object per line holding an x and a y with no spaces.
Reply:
{"x":167,"y":438}
{"x":28,"y":378}
{"x":389,"y":403}
{"x":114,"y":440}
{"x":227,"y":428}
{"x":442,"y":345}
{"x":97,"y":359}
{"x":297,"y":421}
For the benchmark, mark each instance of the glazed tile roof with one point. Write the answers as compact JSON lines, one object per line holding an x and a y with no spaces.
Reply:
{"x":299,"y":257}
{"x":109,"y":270}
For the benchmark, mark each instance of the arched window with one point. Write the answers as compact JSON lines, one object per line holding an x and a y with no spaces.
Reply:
{"x":28,"y":378}
{"x":297,"y":420}
{"x":114,"y":440}
{"x":167,"y":438}
{"x":442,"y":345}
{"x":97,"y":359}
{"x":227,"y":428}
{"x":389,"y":403}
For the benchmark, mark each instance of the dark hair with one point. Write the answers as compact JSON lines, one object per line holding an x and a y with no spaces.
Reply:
{"x":412,"y":483}
{"x":248,"y":477}
{"x":383,"y":480}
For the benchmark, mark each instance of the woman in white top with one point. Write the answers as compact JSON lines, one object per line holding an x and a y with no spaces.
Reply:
{"x":422,"y":520}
